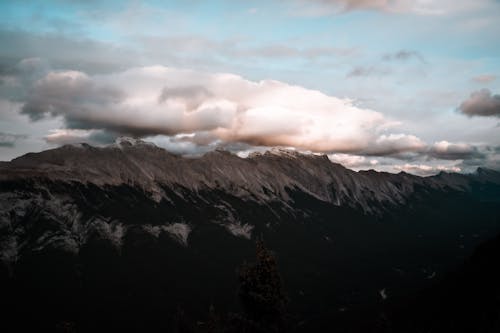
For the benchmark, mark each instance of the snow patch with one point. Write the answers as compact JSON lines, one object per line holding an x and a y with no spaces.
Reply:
{"x":383,"y":294}
{"x":178,"y":231}
{"x":240,"y":230}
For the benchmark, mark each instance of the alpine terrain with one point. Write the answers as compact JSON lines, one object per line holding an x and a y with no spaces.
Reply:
{"x":125,"y":237}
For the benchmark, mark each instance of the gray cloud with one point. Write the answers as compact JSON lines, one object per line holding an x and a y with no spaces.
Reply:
{"x":177,"y":50}
{"x":70,"y":136}
{"x":326,"y":7}
{"x":403,"y":55}
{"x":185,"y":145}
{"x":489,"y":159}
{"x":454,"y":151}
{"x":8,"y":140}
{"x":68,"y":93}
{"x":199,"y":143}
{"x":481,"y":103}
{"x":191,"y":96}
{"x":63,"y":52}
{"x":362,"y":71}
{"x":387,"y":64}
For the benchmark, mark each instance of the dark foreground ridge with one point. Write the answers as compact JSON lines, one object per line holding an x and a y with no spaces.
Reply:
{"x":126,"y":237}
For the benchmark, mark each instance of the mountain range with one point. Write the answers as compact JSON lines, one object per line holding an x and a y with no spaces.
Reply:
{"x":115,"y":236}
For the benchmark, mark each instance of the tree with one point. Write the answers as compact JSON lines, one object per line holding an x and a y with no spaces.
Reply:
{"x":261,"y":291}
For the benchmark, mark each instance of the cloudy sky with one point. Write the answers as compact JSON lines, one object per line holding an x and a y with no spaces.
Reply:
{"x":393,"y":85}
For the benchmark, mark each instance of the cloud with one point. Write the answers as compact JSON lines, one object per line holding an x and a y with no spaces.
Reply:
{"x":419,"y":164}
{"x":419,"y":7}
{"x":69,"y":93}
{"x":361,"y":71}
{"x":394,"y":144}
{"x":386,"y":65}
{"x":65,"y":52}
{"x":73,"y":136}
{"x":185,"y":144}
{"x":191,"y":96}
{"x":403,"y":55}
{"x":483,"y":79}
{"x":353,"y":161}
{"x":157,"y":100}
{"x":191,"y":112}
{"x":8,"y":140}
{"x":425,"y":170}
{"x":481,"y":103}
{"x":454,"y":151}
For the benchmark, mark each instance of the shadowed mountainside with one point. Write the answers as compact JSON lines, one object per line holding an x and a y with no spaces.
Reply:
{"x":119,"y":237}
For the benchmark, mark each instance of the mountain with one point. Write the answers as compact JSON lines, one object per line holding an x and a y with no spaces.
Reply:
{"x":117,"y":237}
{"x":261,"y":177}
{"x":466,"y":300}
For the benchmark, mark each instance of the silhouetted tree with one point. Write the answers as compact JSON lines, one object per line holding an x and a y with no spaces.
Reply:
{"x":261,"y":292}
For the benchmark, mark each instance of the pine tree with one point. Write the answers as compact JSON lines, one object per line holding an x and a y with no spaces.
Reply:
{"x":261,"y":291}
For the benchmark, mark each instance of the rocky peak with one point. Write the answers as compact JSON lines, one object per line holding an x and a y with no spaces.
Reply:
{"x":141,"y":164}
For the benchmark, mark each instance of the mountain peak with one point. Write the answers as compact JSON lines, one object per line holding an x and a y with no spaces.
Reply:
{"x":263,"y":176}
{"x":284,"y":152}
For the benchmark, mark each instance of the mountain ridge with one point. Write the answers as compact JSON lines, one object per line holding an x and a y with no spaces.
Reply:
{"x":260,"y":176}
{"x":79,"y":220}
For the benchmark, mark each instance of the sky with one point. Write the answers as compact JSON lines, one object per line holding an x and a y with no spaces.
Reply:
{"x":390,"y":85}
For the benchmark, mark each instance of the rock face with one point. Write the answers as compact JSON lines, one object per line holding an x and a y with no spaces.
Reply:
{"x":132,"y":212}
{"x":63,"y":185}
{"x":260,"y":177}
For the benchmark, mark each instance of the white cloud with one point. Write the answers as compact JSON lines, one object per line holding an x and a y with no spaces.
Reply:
{"x":391,"y":144}
{"x":353,"y":161}
{"x":425,"y":170}
{"x":156,"y":100}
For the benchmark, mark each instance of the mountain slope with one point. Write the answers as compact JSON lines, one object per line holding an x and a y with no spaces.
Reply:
{"x":261,"y":177}
{"x":118,"y":236}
